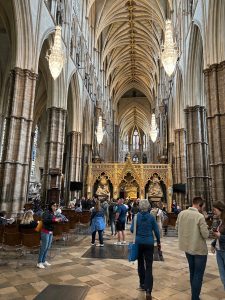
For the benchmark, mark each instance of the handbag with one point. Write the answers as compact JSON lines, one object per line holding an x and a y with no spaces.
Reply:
{"x":39,"y":226}
{"x":158,"y":255}
{"x":133,"y":247}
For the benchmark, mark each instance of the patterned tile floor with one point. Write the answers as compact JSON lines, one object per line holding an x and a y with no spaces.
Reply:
{"x":109,"y":279}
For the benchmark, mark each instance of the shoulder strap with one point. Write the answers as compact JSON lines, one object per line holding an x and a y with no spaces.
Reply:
{"x":135,"y":228}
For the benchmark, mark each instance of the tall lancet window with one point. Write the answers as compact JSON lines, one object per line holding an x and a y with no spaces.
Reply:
{"x":2,"y":139}
{"x":34,"y":152}
{"x":135,"y":140}
{"x":144,"y":142}
{"x":126,"y":144}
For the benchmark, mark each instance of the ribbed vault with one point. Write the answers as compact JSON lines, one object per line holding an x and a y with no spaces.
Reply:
{"x":128,"y":35}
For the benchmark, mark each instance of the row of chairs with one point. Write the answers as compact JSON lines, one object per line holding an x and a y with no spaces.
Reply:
{"x":13,"y":236}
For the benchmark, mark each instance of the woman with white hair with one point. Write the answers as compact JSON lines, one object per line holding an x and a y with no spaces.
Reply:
{"x":146,"y":226}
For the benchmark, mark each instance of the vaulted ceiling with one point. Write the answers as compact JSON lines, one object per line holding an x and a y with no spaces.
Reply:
{"x":129,"y":35}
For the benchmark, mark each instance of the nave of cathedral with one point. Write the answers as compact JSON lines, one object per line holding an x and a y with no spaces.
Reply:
{"x":114,"y":99}
{"x":84,"y":82}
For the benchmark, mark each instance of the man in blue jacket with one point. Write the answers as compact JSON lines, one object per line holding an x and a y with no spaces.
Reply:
{"x":120,"y":220}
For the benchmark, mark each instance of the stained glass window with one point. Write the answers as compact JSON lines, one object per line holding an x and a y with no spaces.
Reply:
{"x":135,"y":140}
{"x":144,"y":142}
{"x":126,"y":145}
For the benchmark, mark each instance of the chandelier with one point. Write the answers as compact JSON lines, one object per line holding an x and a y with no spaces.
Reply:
{"x":153,"y":129}
{"x":169,"y":53}
{"x":99,"y":132}
{"x":56,"y":58}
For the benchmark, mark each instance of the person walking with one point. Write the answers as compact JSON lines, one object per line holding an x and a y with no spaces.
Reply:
{"x":192,"y":234}
{"x":158,"y":214}
{"x":120,"y":220}
{"x":218,"y":244}
{"x":97,"y":224}
{"x":146,"y":225}
{"x":48,"y":220}
{"x":112,"y":213}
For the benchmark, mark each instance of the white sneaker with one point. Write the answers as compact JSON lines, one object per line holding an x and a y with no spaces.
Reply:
{"x":123,"y":243}
{"x":46,"y":264}
{"x":40,"y":266}
{"x":100,"y":245}
{"x":118,"y":243}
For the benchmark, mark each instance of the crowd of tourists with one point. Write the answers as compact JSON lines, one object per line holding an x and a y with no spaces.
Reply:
{"x":147,"y":220}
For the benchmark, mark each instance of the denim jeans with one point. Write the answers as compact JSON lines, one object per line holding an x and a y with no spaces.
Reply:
{"x":220,"y":256}
{"x":100,"y":235}
{"x":112,"y":224}
{"x":46,"y":241}
{"x":197,"y":264}
{"x":145,"y":260}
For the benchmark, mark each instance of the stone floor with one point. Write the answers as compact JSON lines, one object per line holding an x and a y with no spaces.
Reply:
{"x":109,"y":279}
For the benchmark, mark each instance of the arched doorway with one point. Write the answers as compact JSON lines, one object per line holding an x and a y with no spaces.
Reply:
{"x":129,"y":188}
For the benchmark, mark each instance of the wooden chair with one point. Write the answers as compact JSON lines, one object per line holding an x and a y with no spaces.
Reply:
{"x":2,"y":227}
{"x":72,"y":223}
{"x":27,"y":230}
{"x":84,"y":222}
{"x":12,"y":228}
{"x":30,"y":242}
{"x":12,"y":241}
{"x":57,"y":231}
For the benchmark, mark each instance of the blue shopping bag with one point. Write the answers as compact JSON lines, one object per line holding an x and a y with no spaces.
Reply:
{"x":132,"y":251}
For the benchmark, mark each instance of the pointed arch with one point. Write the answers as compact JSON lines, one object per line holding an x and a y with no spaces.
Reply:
{"x":216,"y":32}
{"x":195,"y":91}
{"x":74,"y":105}
{"x":179,"y":102}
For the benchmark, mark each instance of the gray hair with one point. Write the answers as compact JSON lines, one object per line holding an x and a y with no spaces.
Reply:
{"x":144,"y":204}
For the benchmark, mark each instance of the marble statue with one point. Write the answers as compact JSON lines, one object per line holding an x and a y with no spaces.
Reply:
{"x":102,"y":190}
{"x":155,"y":189}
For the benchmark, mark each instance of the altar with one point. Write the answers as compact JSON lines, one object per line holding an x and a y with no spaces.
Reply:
{"x":131,"y":180}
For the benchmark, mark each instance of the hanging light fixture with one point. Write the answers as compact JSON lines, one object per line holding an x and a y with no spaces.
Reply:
{"x":56,"y":58}
{"x":153,"y":129}
{"x":99,"y":132}
{"x":169,"y":53}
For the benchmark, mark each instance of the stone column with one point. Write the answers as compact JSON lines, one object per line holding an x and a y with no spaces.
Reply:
{"x":197,"y":154}
{"x":116,"y":143}
{"x":74,"y":152}
{"x":86,"y":154}
{"x":215,"y":97}
{"x":14,"y":166}
{"x":56,"y":120}
{"x":180,"y":168}
{"x":171,"y":154}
